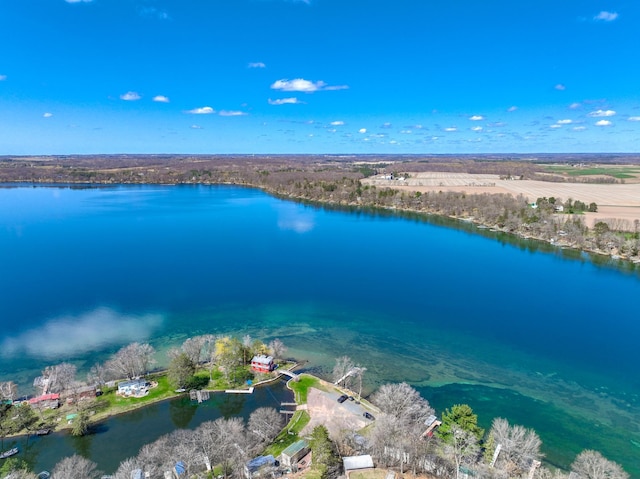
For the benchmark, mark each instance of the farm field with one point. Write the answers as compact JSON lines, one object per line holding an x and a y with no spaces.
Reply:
{"x":620,"y":201}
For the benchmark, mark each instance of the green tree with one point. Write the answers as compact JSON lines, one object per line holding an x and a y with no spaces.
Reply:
{"x":80,"y":424}
{"x":181,"y":370}
{"x":462,"y":416}
{"x":13,"y":464}
{"x":325,"y":458}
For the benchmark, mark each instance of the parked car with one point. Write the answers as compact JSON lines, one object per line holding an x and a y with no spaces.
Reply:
{"x":343,"y":398}
{"x":368,"y":416}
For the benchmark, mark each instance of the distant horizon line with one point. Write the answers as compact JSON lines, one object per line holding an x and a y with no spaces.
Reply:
{"x":75,"y":155}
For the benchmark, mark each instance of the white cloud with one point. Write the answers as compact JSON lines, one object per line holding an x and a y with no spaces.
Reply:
{"x":337,"y":123}
{"x":560,"y":87}
{"x":152,"y":12}
{"x":512,"y":109}
{"x":634,"y":118}
{"x":195,"y":127}
{"x":78,"y":1}
{"x":362,"y":130}
{"x":47,"y":115}
{"x":476,"y":128}
{"x":302,"y":85}
{"x":232,"y":113}
{"x":603,"y":123}
{"x":3,"y":77}
{"x":130,"y":96}
{"x":602,"y":113}
{"x":451,"y":128}
{"x":565,"y":122}
{"x":476,"y":118}
{"x":71,"y":336}
{"x":555,"y":126}
{"x":256,"y":65}
{"x":386,"y":125}
{"x":605,"y":16}
{"x":161,"y":99}
{"x":285,"y":101}
{"x":579,"y":128}
{"x":575,"y":106}
{"x":205,"y":110}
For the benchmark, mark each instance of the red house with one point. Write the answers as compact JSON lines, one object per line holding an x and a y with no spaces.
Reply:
{"x":262,"y":364}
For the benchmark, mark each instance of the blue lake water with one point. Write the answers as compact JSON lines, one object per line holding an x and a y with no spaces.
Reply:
{"x":543,"y":337}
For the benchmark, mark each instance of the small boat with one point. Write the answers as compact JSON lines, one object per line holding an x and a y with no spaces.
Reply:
{"x":11,"y":452}
{"x":44,"y":475}
{"x":43,"y":432}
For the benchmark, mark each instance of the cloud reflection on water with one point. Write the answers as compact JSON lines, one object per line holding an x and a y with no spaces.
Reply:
{"x":71,"y":336}
{"x":292,"y":218}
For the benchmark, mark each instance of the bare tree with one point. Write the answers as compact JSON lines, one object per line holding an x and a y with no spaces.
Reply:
{"x":56,"y":378}
{"x":76,"y":467}
{"x":246,"y":347}
{"x":402,"y":402}
{"x":132,"y":361}
{"x":593,"y":465}
{"x":462,"y":448}
{"x":277,"y":348}
{"x":342,"y":370}
{"x":98,"y":375}
{"x":21,"y":474}
{"x":8,"y":390}
{"x":265,"y":424}
{"x":518,"y":446}
{"x":193,"y":347}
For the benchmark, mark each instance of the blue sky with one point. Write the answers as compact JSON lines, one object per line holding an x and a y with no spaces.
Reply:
{"x":319,"y":76}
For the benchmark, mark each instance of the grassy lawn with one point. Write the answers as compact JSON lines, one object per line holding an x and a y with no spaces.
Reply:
{"x":289,"y":434}
{"x":301,"y":388}
{"x":620,"y":172}
{"x":114,"y":404}
{"x":369,"y":474}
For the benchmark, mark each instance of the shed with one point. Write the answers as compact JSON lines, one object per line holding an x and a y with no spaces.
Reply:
{"x":292,"y":454}
{"x":353,"y":463}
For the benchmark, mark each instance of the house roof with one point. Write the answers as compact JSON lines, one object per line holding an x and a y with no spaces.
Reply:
{"x":262,"y":359}
{"x":357,"y":462}
{"x":44,"y":397}
{"x":134,"y":383}
{"x":260,"y":461}
{"x":294,"y":448}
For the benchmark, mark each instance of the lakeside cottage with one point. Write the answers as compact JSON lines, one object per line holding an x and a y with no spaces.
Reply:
{"x":46,"y":401}
{"x":294,"y":453}
{"x":262,"y":364}
{"x":135,"y":388}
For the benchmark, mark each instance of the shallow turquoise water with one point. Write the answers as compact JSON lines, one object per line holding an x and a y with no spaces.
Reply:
{"x":518,"y":329}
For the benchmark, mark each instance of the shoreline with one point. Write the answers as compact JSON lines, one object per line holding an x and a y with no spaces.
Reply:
{"x":554,"y":242}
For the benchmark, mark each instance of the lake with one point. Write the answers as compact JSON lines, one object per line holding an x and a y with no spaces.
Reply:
{"x":518,"y":329}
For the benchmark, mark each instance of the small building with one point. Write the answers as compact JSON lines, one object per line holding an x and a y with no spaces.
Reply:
{"x":354,"y":463}
{"x":262,"y":364}
{"x":255,"y":466}
{"x":46,"y":401}
{"x":294,"y":453}
{"x":135,"y":388}
{"x":432,"y":422}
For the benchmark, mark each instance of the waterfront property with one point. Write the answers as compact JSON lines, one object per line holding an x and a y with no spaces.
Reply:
{"x":46,"y":401}
{"x":256,"y":466}
{"x":262,"y":363}
{"x":135,"y":388}
{"x":294,"y":453}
